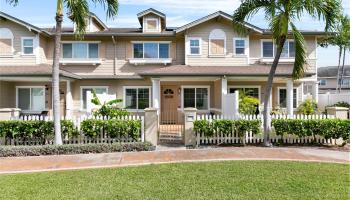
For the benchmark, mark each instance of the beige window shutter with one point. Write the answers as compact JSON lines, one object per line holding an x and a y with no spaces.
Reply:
{"x":5,"y":46}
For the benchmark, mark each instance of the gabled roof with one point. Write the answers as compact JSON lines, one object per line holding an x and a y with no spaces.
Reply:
{"x":331,"y":71}
{"x":212,"y":16}
{"x":150,"y":10}
{"x":22,"y":23}
{"x":153,"y":11}
{"x":98,"y":20}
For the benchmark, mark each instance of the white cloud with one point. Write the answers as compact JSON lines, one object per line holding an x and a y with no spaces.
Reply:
{"x":186,"y":6}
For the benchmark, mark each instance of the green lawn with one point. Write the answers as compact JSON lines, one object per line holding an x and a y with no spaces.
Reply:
{"x":210,"y":180}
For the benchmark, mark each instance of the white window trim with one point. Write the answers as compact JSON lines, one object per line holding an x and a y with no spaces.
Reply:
{"x":246,"y":47}
{"x":325,"y":81}
{"x":88,"y":87}
{"x":195,"y":102}
{"x":245,"y":86}
{"x":137,"y":99}
{"x":22,"y":46}
{"x":278,"y":97}
{"x":143,"y":51}
{"x":8,"y":35}
{"x":30,"y":94}
{"x":87,"y":50}
{"x":274,"y":48}
{"x":145,"y":29}
{"x":188,"y":46}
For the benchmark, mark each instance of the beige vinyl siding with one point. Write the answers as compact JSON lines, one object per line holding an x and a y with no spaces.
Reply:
{"x":18,"y":31}
{"x":106,"y":54}
{"x":203,"y":30}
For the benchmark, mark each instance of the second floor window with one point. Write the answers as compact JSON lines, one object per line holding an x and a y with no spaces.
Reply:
{"x":323,"y":82}
{"x":240,"y":46}
{"x":269,"y":49}
{"x":151,"y":50}
{"x":80,"y":50}
{"x":27,"y":46}
{"x":194,"y":46}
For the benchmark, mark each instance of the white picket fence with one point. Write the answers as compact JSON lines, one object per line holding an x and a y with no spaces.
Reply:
{"x":80,"y":138}
{"x":329,"y":99}
{"x":250,"y":138}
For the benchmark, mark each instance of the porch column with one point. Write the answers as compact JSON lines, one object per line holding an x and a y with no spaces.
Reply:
{"x":315,"y":91}
{"x":156,"y":93}
{"x":223,"y":93}
{"x":69,"y":100}
{"x":290,"y":97}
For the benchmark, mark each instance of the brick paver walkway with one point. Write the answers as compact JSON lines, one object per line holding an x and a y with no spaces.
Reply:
{"x":81,"y":161}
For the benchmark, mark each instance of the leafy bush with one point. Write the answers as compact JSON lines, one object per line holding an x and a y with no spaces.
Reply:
{"x":226,"y":126}
{"x":12,"y":151}
{"x":113,"y":128}
{"x":248,"y":105}
{"x":341,"y":104}
{"x":308,"y":107}
{"x":110,"y":108}
{"x":328,"y":128}
{"x":34,"y":129}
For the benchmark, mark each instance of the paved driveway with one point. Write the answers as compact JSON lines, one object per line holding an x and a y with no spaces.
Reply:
{"x":81,"y":161}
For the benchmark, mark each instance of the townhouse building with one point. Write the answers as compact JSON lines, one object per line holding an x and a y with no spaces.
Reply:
{"x":194,"y":65}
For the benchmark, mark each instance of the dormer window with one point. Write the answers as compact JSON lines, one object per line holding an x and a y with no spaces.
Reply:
{"x":151,"y":25}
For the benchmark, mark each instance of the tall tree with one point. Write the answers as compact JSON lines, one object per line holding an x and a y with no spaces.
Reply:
{"x":282,"y":15}
{"x":78,"y":11}
{"x":340,"y":37}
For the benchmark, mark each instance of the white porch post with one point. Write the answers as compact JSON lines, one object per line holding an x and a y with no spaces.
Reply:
{"x":290,"y":97}
{"x":69,"y":100}
{"x":156,"y":93}
{"x":223,"y":93}
{"x":315,"y":91}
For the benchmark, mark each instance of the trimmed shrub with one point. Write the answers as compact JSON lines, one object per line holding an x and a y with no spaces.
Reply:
{"x":34,"y":129}
{"x":12,"y":151}
{"x":227,"y":126}
{"x":328,"y":128}
{"x":113,"y":128}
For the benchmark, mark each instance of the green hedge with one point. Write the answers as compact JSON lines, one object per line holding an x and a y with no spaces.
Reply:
{"x":227,"y":126}
{"x":12,"y":151}
{"x":112,"y":128}
{"x":328,"y":128}
{"x":34,"y":129}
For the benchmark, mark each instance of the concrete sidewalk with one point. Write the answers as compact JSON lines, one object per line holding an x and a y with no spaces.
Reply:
{"x":82,"y":161}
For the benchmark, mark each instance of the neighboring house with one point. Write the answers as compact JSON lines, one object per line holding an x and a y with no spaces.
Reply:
{"x":194,"y":65}
{"x":327,"y":78}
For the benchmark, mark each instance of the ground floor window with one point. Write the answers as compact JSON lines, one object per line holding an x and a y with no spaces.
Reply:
{"x":196,"y":97}
{"x":86,"y":89}
{"x":137,"y":97}
{"x":282,"y":94}
{"x":249,"y":91}
{"x":31,"y":98}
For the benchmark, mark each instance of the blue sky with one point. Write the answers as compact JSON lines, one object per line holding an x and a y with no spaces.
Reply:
{"x":179,"y":12}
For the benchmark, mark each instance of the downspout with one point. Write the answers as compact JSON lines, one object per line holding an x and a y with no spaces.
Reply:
{"x":115,"y":55}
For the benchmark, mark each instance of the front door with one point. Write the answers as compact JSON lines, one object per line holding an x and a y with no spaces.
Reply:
{"x":169,"y":103}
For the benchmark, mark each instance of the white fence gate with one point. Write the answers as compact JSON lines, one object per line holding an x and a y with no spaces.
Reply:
{"x":329,"y":99}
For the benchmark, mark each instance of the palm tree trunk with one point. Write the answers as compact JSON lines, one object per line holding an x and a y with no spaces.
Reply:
{"x":266,"y":112}
{"x":56,"y":79}
{"x":339,"y":60}
{"x":342,"y":70}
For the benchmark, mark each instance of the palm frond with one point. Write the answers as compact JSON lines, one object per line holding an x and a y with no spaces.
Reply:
{"x":279,"y":27}
{"x":246,"y":10}
{"x":12,"y":2}
{"x":327,"y":10}
{"x":300,"y":53}
{"x":78,"y":11}
{"x":112,"y":7}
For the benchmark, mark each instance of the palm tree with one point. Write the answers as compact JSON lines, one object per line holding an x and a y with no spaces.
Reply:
{"x":340,"y":38}
{"x":282,"y":15}
{"x":78,"y":11}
